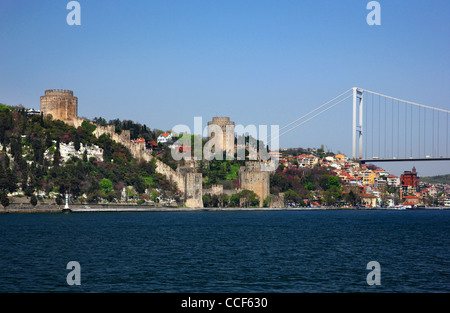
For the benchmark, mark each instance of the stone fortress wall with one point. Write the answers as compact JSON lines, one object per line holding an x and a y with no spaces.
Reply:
{"x":138,"y":152}
{"x":251,"y":177}
{"x":62,"y":105}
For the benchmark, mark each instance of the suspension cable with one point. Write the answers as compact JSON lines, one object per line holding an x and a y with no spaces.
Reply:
{"x":409,"y":102}
{"x":300,"y":118}
{"x":323,"y":111}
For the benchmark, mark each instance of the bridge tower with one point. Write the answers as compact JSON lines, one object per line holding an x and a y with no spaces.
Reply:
{"x":357,"y":125}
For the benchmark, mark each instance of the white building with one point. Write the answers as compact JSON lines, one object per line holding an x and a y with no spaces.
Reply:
{"x":164,"y":138}
{"x":393,"y":180}
{"x":447,"y":202}
{"x":68,"y":150}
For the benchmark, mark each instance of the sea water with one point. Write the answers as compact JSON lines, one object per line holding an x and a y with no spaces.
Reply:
{"x":226,"y":251}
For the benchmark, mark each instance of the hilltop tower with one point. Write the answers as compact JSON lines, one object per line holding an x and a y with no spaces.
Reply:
{"x":61,"y":104}
{"x":228,"y":136}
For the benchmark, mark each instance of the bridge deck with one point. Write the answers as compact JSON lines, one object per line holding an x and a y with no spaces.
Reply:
{"x":363,"y":161}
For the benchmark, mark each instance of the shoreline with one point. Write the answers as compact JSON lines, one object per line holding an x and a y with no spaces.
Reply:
{"x":134,"y":208}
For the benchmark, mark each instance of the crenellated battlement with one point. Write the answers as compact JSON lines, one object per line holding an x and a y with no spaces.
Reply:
{"x":59,"y":92}
{"x":220,"y":119}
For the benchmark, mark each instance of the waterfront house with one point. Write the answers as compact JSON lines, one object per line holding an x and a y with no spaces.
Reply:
{"x":369,"y":200}
{"x":410,"y":201}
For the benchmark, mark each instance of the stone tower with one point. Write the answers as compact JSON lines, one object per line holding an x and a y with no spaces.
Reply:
{"x":60,"y":103}
{"x":227,"y":128}
{"x":252,"y":177}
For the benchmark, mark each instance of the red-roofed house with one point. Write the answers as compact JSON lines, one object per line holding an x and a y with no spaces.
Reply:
{"x":369,"y":200}
{"x":393,"y":180}
{"x":432,"y":191}
{"x":139,"y":140}
{"x":410,"y":200}
{"x":381,"y":172}
{"x":164,"y":138}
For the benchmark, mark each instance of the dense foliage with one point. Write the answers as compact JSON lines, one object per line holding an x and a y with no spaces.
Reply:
{"x":30,"y":159}
{"x":244,"y":198}
{"x":302,"y":185}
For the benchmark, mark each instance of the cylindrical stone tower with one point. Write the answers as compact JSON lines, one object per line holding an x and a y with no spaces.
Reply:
{"x":227,"y":127}
{"x":60,"y":103}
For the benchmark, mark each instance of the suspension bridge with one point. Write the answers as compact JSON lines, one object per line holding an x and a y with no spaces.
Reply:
{"x":389,"y":129}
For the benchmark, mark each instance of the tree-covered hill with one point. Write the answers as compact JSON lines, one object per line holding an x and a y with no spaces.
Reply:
{"x":439,"y":179}
{"x":303,"y":185}
{"x":31,"y":162}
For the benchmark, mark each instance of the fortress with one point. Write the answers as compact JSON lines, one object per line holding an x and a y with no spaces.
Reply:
{"x":60,"y":104}
{"x":227,"y":128}
{"x":253,"y":178}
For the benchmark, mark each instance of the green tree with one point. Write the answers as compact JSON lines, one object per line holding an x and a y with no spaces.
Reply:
{"x":89,"y":127}
{"x":292,"y":195}
{"x":215,"y":201}
{"x":76,"y":142}
{"x":4,"y":200}
{"x":267,"y":202}
{"x":248,"y":198}
{"x":85,"y":158}
{"x":33,"y":200}
{"x":6,"y":122}
{"x":48,"y":141}
{"x":234,"y":200}
{"x":8,"y":181}
{"x":59,"y":200}
{"x":333,"y":181}
{"x":207,"y":200}
{"x":352,"y":197}
{"x":309,"y":186}
{"x":100,"y":121}
{"x":225,"y":200}
{"x":153,"y":195}
{"x":106,"y":144}
{"x":106,"y":185}
{"x":329,"y":198}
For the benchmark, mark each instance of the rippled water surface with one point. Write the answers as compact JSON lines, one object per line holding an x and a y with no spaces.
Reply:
{"x":238,"y":251}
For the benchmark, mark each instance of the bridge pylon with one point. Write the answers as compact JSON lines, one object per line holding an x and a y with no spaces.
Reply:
{"x":357,"y":124}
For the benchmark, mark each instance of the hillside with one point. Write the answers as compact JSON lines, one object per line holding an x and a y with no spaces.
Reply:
{"x":439,"y":179}
{"x":46,"y":157}
{"x":32,"y":161}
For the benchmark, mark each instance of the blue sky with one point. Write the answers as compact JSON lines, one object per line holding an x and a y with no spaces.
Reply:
{"x":161,"y":63}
